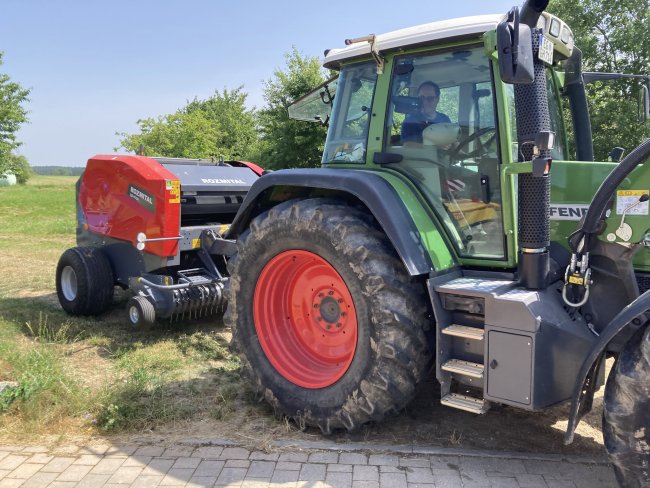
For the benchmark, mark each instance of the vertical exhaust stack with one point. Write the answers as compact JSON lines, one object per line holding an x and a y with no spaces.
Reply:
{"x":531,"y":103}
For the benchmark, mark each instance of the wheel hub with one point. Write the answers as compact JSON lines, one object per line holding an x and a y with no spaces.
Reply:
{"x":69,"y":283}
{"x":330,"y":310}
{"x":305,"y":319}
{"x":134,"y":314}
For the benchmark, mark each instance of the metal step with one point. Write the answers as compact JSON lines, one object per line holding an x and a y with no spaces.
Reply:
{"x":475,"y":287}
{"x":466,"y":403}
{"x":466,"y":368}
{"x":473,"y":333}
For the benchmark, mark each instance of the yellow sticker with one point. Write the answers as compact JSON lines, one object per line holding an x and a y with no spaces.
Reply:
{"x":196,"y":243}
{"x":629,"y":202}
{"x":632,"y":193}
{"x":576,"y":280}
{"x":174,"y":189}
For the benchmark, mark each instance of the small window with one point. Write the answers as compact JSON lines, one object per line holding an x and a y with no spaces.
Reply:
{"x":348,"y":132}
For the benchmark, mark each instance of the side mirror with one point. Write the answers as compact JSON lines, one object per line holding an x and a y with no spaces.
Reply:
{"x":616,"y":154}
{"x":515,"y":50}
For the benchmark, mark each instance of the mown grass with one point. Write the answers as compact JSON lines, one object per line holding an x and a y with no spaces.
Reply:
{"x":79,"y":375}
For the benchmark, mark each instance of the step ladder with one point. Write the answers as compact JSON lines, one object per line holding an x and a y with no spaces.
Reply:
{"x":460,"y":320}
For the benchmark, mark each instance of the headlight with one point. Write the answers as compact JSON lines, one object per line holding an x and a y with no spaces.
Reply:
{"x":555,"y":28}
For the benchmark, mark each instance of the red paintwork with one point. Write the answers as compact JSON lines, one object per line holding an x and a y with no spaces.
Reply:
{"x":309,"y":352}
{"x":258,"y":170}
{"x":108,"y":209}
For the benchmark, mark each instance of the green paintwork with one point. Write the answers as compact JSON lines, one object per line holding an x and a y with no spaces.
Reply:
{"x":575,"y":182}
{"x":430,"y":235}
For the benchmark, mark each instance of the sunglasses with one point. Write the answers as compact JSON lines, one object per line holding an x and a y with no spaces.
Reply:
{"x":430,"y":99}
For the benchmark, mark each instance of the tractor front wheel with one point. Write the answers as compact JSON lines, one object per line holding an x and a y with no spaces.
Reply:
{"x":626,"y":414}
{"x":329,"y":326}
{"x":84,"y":281}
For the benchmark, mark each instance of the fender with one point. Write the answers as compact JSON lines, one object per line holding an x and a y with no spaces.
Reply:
{"x":369,"y":188}
{"x":583,"y":392}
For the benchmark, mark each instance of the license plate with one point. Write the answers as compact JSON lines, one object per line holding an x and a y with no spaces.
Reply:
{"x":545,"y":50}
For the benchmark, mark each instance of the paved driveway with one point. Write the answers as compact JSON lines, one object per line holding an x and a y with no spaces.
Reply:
{"x":214,"y":462}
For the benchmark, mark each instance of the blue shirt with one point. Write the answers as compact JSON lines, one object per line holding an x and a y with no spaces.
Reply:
{"x":416,"y":122}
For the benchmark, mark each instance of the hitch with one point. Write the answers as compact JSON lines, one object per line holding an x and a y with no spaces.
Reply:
{"x":578,"y":276}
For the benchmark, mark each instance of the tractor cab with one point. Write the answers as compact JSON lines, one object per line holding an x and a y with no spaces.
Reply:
{"x":441,"y":118}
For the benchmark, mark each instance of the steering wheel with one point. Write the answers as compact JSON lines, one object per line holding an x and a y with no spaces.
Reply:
{"x":475,"y":136}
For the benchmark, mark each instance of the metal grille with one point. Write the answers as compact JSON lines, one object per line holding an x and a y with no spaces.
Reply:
{"x":643,"y":280}
{"x":534,"y":192}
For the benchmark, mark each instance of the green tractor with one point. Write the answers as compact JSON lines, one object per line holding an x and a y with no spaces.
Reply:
{"x":447,"y":229}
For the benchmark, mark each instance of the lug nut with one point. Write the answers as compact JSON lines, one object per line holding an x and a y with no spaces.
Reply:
{"x":319,"y":318}
{"x":328,"y":327}
{"x":338,"y":324}
{"x":315,"y":305}
{"x":330,"y":293}
{"x":340,"y":300}
{"x":321,"y":295}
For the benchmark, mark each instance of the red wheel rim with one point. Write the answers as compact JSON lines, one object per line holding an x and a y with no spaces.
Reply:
{"x":305,"y":319}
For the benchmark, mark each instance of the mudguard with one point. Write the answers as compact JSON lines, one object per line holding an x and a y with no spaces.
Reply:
{"x":369,"y":188}
{"x":624,"y":319}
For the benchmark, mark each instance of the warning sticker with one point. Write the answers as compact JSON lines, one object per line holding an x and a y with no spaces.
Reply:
{"x":628,"y":202}
{"x":174,"y":189}
{"x":196,"y":243}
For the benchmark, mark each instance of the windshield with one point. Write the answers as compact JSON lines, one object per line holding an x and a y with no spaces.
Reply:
{"x":442,"y":121}
{"x":315,"y":106}
{"x":348,"y":132}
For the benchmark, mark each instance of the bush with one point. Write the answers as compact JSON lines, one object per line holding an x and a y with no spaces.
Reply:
{"x":19,"y":166}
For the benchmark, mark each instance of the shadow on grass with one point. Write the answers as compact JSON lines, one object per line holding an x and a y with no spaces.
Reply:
{"x":128,"y":379}
{"x":148,"y":392}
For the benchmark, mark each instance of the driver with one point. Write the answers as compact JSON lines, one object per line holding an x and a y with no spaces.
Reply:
{"x":418,"y":120}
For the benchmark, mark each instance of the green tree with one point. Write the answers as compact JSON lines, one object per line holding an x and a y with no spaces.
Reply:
{"x":218,"y":126}
{"x":285,"y":142}
{"x":613,"y":37}
{"x":12,"y":115}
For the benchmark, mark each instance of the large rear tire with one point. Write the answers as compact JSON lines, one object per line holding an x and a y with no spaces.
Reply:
{"x":626,"y":414}
{"x":84,"y":281}
{"x":329,"y":326}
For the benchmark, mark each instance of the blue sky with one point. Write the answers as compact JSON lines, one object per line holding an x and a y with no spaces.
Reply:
{"x":96,"y":67}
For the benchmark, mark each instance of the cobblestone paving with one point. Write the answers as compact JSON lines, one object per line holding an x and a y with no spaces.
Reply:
{"x":291,"y":466}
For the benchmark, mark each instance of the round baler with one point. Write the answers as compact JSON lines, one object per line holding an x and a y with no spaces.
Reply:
{"x":154,"y":226}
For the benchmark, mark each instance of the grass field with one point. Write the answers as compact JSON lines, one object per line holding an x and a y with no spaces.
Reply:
{"x":84,"y":376}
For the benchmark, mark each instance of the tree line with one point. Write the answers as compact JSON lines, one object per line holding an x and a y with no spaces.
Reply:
{"x":221,"y":126}
{"x":612,"y":35}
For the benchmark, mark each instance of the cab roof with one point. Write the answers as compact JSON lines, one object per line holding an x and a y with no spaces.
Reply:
{"x":412,"y":36}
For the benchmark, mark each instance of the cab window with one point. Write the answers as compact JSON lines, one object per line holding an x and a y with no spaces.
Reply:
{"x":348,"y":132}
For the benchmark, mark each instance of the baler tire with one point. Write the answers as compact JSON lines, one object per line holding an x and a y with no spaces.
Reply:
{"x":84,"y":281}
{"x":393,"y":348}
{"x":626,"y":412}
{"x":141,"y":312}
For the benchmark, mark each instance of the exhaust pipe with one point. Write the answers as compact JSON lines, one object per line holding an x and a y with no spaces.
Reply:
{"x":534,"y":191}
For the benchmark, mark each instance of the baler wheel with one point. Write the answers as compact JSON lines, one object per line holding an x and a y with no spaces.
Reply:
{"x":329,"y":326}
{"x":84,"y":281}
{"x":626,"y":413}
{"x":141,"y":312}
